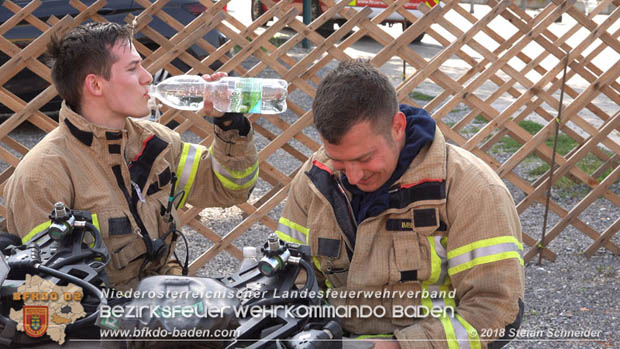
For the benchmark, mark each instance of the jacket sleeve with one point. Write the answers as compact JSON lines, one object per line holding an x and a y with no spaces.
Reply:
{"x":482,"y":257}
{"x":220,"y":176}
{"x":30,"y":196}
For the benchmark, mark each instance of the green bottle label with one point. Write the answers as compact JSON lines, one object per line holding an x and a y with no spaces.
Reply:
{"x":246,"y":97}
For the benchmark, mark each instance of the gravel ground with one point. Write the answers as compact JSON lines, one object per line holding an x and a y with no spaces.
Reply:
{"x":575,"y":293}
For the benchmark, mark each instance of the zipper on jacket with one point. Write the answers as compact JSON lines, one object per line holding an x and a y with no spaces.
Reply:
{"x":349,"y":209}
{"x":138,"y":191}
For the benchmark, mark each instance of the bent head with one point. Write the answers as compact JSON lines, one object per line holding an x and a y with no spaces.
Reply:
{"x":98,"y":60}
{"x":356,"y":113}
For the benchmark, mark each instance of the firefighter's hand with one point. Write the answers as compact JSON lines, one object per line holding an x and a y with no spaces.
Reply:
{"x":208,"y":108}
{"x":386,"y":344}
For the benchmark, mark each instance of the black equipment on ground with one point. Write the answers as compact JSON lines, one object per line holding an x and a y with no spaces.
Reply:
{"x":70,"y":250}
{"x":265,"y":283}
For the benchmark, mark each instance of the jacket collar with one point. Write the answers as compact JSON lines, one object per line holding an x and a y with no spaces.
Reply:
{"x":85,"y":131}
{"x":429,"y":164}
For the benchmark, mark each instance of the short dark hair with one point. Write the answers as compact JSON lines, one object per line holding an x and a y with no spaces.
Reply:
{"x":354,"y":92}
{"x":83,"y":50}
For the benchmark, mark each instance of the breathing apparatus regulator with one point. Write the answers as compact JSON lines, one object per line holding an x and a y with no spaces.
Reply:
{"x":264,"y":282}
{"x":70,"y":250}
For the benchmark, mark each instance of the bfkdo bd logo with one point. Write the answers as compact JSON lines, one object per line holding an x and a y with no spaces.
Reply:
{"x":35,"y":319}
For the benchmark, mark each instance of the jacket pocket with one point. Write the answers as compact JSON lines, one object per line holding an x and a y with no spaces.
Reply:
{"x":123,"y":256}
{"x":123,"y":242}
{"x":406,"y":255}
{"x":329,"y":250}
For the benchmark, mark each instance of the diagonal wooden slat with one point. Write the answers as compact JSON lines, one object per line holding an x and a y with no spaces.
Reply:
{"x":496,"y":72}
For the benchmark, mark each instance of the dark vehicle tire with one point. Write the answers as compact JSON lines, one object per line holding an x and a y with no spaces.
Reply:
{"x":257,"y":10}
{"x":326,"y":29}
{"x":416,"y":40}
{"x":419,"y":38}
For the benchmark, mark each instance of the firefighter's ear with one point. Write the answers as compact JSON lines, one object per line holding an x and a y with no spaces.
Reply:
{"x":93,"y":84}
{"x":399,"y":125}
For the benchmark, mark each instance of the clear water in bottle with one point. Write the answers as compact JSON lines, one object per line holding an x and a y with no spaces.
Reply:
{"x":229,"y":94}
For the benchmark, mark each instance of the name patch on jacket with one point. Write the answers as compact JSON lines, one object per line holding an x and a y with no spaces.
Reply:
{"x":407,"y":225}
{"x":399,"y":225}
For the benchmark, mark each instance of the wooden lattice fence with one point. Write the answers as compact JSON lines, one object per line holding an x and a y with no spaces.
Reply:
{"x":512,"y":81}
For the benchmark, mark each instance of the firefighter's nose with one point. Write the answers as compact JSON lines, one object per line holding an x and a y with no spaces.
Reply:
{"x":354,"y":173}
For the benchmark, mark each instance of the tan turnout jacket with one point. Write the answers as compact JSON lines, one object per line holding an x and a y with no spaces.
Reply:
{"x":451,"y":225}
{"x":96,"y":169}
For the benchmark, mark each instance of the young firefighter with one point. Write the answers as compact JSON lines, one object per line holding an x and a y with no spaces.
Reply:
{"x":118,"y":168}
{"x":386,"y":205}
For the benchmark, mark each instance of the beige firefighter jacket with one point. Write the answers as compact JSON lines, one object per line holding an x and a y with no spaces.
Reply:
{"x":98,"y":170}
{"x":451,"y":225}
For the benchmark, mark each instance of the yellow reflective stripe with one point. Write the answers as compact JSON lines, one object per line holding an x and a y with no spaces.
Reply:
{"x":435,"y":261}
{"x":486,"y":259}
{"x":187,"y":169}
{"x":427,"y":302}
{"x":459,"y":333}
{"x":291,"y":230}
{"x":298,"y":227}
{"x":316,"y":262}
{"x":447,"y":325}
{"x":192,"y":176}
{"x":367,"y":336}
{"x":287,"y":238}
{"x":484,"y":243}
{"x":440,"y":283}
{"x":237,"y":174}
{"x":353,"y":3}
{"x":232,"y":185}
{"x":450,"y":334}
{"x":442,"y":303}
{"x":234,"y":180}
{"x":182,"y":160}
{"x":180,"y":168}
{"x":466,"y":330}
{"x":472,"y":333}
{"x":95,"y":221}
{"x":39,"y":228}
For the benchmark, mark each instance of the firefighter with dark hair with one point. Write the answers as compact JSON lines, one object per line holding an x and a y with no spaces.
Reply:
{"x":125,"y":171}
{"x":388,"y":206}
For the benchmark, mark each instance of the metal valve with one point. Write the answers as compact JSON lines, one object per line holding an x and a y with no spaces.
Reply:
{"x":62,"y":222}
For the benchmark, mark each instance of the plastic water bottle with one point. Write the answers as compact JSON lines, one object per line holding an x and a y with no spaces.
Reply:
{"x":250,"y":258}
{"x":229,"y":94}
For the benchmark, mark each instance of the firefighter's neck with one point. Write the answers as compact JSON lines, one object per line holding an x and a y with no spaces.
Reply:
{"x":96,"y":106}
{"x":96,"y":112}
